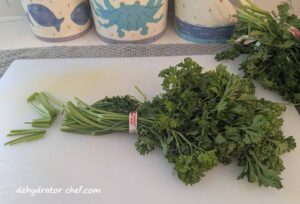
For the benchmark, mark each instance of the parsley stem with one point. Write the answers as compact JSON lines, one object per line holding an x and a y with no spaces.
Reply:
{"x":25,"y":135}
{"x":140,"y":92}
{"x":256,"y":9}
{"x":25,"y":139}
{"x":25,"y":132}
{"x":54,"y":100}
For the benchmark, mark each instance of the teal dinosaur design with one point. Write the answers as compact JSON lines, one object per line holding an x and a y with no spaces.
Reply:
{"x":128,"y":17}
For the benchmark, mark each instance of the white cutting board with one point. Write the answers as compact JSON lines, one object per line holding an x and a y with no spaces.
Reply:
{"x":110,"y":162}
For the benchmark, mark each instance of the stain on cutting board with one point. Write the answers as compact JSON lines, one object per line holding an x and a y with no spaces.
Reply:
{"x":79,"y":82}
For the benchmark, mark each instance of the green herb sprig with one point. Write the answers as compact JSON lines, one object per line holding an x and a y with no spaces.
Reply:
{"x":200,"y":120}
{"x":275,"y":60}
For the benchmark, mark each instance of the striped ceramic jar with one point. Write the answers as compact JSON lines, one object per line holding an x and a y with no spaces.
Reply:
{"x":205,"y":21}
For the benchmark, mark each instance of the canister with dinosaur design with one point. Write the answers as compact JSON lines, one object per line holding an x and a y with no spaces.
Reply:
{"x":57,"y":20}
{"x":130,"y":21}
{"x":205,"y":20}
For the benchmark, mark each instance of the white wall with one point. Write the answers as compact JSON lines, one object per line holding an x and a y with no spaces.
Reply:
{"x":11,"y":8}
{"x":14,"y":8}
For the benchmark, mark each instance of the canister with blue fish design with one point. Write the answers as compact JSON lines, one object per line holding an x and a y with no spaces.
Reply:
{"x":130,"y":21}
{"x":201,"y":21}
{"x":57,"y":20}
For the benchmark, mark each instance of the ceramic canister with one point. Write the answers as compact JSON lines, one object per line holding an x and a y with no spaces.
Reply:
{"x":205,"y":20}
{"x":57,"y":20}
{"x":130,"y":21}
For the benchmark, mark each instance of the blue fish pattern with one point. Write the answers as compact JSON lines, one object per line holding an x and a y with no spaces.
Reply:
{"x":81,"y":14}
{"x":44,"y":16}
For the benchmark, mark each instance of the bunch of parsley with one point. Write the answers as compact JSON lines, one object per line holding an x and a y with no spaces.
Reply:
{"x":200,"y":120}
{"x":273,"y":44}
